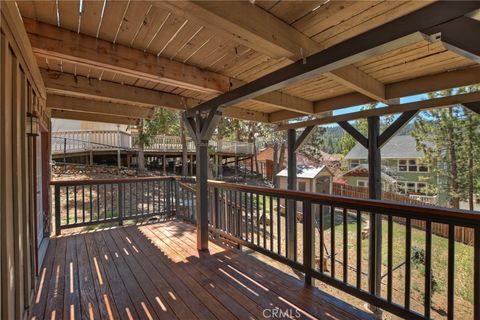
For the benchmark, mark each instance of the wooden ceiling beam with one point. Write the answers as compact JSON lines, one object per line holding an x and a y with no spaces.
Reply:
{"x":82,"y":87}
{"x":400,"y":108}
{"x":55,"y":43}
{"x":60,"y":102}
{"x":425,"y":84}
{"x":278,"y":41}
{"x":85,"y":116}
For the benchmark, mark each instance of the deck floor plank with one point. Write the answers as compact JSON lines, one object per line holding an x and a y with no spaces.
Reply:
{"x":121,"y":298}
{"x":42,"y":287}
{"x":141,"y":303}
{"x":108,"y":309}
{"x":153,"y":271}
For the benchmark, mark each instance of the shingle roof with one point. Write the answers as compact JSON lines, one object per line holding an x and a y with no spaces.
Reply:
{"x":305,"y":172}
{"x":399,"y":147}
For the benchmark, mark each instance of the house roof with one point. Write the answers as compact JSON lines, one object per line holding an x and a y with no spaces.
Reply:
{"x":305,"y":172}
{"x":399,"y":147}
{"x":362,"y":171}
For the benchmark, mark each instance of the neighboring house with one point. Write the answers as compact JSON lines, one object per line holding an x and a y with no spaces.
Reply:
{"x":265,"y":161}
{"x":402,"y":171}
{"x":309,"y":179}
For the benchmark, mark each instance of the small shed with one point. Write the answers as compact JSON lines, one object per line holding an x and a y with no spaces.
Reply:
{"x":310,"y":179}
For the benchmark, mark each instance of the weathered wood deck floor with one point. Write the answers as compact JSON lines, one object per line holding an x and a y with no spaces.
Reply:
{"x":154,"y":271}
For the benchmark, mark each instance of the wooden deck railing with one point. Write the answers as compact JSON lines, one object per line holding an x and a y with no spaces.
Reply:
{"x":81,"y":203}
{"x":331,"y":239}
{"x":88,"y":140}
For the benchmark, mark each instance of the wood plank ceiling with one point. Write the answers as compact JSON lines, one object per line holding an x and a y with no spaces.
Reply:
{"x":168,"y":30}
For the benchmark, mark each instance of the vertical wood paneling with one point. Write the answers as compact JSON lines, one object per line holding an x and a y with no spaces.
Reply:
{"x":6,"y":182}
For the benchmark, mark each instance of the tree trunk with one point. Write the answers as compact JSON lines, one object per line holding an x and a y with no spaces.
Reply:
{"x":141,"y":146}
{"x":455,"y":200}
{"x":471,"y":180}
{"x":183,"y":138}
{"x":255,"y":159}
{"x":275,"y":164}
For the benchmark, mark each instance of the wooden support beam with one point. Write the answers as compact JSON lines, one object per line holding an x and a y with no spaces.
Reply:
{"x":354,"y":133}
{"x":278,"y":41}
{"x":55,"y":43}
{"x":425,"y":84}
{"x":455,"y":38}
{"x":400,"y":108}
{"x":474,"y":106}
{"x":88,"y":88}
{"x":291,"y":185}
{"x":101,"y":107}
{"x":398,"y":124}
{"x":374,"y":192}
{"x":73,"y":115}
{"x":201,"y":130}
{"x":300,"y":141}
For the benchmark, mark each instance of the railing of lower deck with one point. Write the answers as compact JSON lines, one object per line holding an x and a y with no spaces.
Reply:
{"x":329,"y":239}
{"x":86,"y":140}
{"x":83,"y":203}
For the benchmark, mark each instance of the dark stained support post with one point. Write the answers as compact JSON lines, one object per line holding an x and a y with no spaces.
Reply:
{"x":291,"y":185}
{"x":293,"y":144}
{"x":201,"y":130}
{"x":374,"y":192}
{"x":164,"y":163}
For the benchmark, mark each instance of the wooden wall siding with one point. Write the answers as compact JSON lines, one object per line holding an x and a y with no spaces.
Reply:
{"x":22,"y":91}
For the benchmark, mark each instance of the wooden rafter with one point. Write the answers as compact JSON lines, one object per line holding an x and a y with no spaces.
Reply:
{"x":59,"y":102}
{"x":82,"y":87}
{"x":85,"y":116}
{"x":51,"y":42}
{"x":400,"y":108}
{"x":279,"y":40}
{"x":424,"y":84}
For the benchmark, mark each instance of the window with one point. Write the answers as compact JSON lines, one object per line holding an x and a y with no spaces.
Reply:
{"x":411,"y":187}
{"x":302,"y":186}
{"x":412,"y":165}
{"x":354,"y":163}
{"x":421,"y":187}
{"x":422,"y":168}
{"x":362,"y":183}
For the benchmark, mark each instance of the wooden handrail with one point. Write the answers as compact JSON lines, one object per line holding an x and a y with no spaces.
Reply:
{"x":368,"y":205}
{"x":110,"y":181}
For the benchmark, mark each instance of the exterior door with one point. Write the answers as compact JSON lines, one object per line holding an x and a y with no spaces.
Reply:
{"x":322,"y":185}
{"x":41,"y":240}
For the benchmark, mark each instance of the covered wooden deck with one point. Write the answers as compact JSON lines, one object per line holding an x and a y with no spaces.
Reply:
{"x":154,"y":271}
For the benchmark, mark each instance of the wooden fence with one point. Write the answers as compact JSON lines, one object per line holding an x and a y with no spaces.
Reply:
{"x":462,"y":234}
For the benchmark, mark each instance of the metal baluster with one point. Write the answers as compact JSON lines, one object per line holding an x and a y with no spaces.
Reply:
{"x":245,"y":196}
{"x":390,"y":258}
{"x":279,"y":229}
{"x":120,"y":203}
{"x":451,"y":272}
{"x":428,"y":268}
{"x":332,"y":240}
{"x":257,"y":196}
{"x":83,"y":203}
{"x":308,"y":241}
{"x":105,"y":201}
{"x":91,"y":203}
{"x":68,"y":204}
{"x":321,"y":236}
{"x":98,"y":202}
{"x":264,"y":223}
{"x":345,"y":246}
{"x":408,"y":257}
{"x":148,"y":197}
{"x":75,"y":203}
{"x":111,"y":200}
{"x":359,"y":249}
{"x":57,"y":211}
{"x":271,"y":223}
{"x":238,"y":210}
{"x":251,"y":219}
